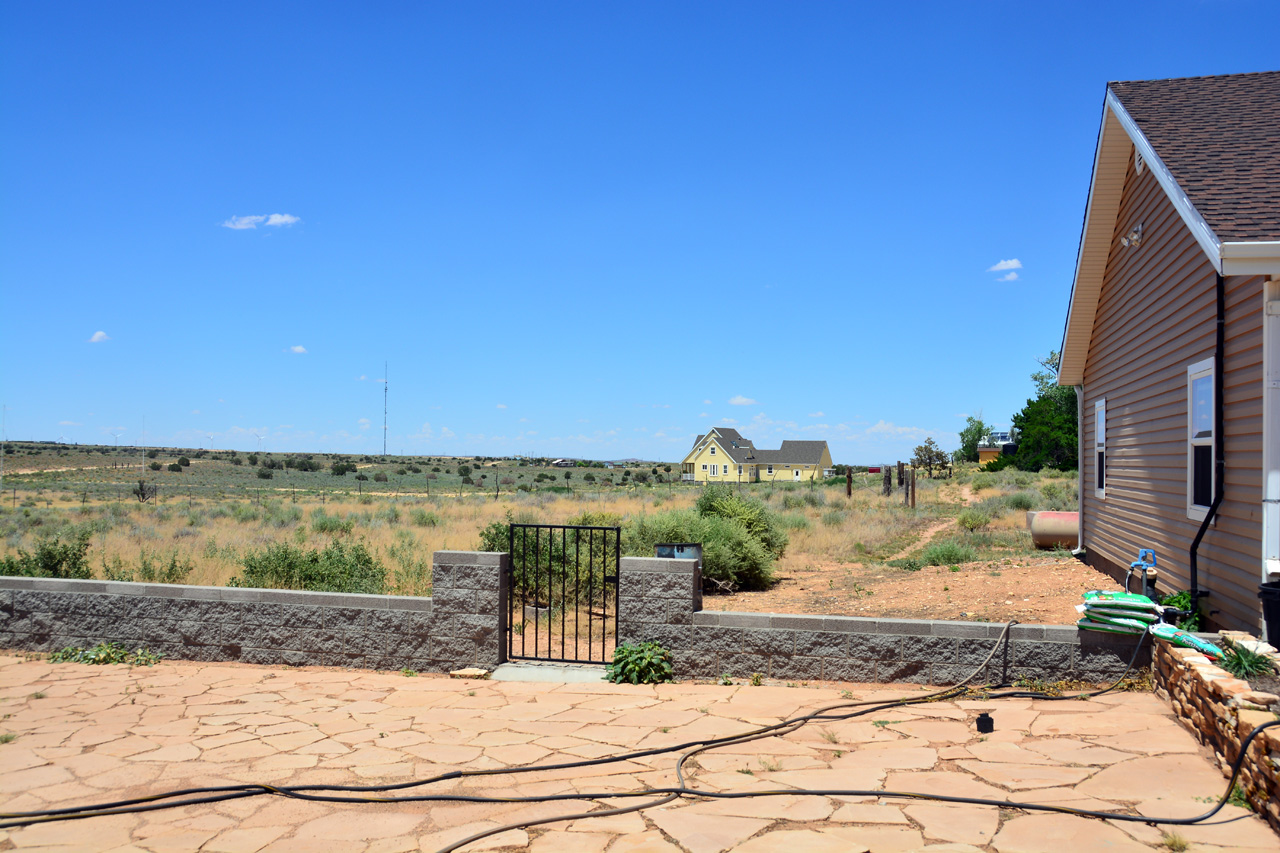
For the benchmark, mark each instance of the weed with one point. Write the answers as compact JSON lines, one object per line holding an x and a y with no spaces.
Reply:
{"x":40,"y":695}
{"x":846,"y":694}
{"x":947,"y":553}
{"x":1173,"y":841}
{"x":756,"y":679}
{"x":724,"y":679}
{"x":828,"y":735}
{"x":769,"y":765}
{"x":7,"y":737}
{"x":747,"y":770}
{"x":665,"y":729}
{"x":408,"y":673}
{"x":471,"y":693}
{"x":640,"y":663}
{"x":1239,"y":798}
{"x":105,"y":653}
{"x":880,"y":724}
{"x":973,"y":520}
{"x":1245,"y":663}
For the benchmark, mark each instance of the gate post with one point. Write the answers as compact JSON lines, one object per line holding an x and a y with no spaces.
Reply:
{"x":468,"y":598}
{"x":657,"y":598}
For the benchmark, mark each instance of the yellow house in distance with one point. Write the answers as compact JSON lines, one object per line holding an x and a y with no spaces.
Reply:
{"x":724,"y":456}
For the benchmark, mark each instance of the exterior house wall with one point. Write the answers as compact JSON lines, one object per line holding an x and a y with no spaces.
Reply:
{"x":1156,"y":315}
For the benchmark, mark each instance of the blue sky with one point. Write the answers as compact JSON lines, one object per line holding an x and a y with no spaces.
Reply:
{"x":571,"y":229}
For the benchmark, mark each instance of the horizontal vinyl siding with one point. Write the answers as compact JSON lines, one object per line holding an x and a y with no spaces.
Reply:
{"x":1156,"y":315}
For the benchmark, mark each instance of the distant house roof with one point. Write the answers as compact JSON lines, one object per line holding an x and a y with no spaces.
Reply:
{"x":742,"y":451}
{"x":1213,"y":146}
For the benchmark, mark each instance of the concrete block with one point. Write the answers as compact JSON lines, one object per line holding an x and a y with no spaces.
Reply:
{"x":795,"y":667}
{"x":849,"y":669}
{"x":849,"y":624}
{"x":469,"y":558}
{"x":930,"y":649}
{"x":1027,"y":632}
{"x":744,"y":665}
{"x":875,"y":646}
{"x":912,"y":672}
{"x":657,"y":564}
{"x":796,"y":623}
{"x":904,"y":626}
{"x":1043,"y":656}
{"x":960,"y":630}
{"x":821,"y":643}
{"x":745,"y":620}
{"x":707,"y":618}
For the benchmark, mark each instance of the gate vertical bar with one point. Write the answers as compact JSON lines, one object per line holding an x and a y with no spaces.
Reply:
{"x":564,"y":550}
{"x":511,"y":589}
{"x":577,"y":577}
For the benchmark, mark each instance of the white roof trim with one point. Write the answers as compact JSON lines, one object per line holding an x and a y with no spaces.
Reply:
{"x":1194,"y":221}
{"x":1106,"y":187}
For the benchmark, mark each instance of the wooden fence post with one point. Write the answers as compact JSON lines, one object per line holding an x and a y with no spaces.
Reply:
{"x":901,"y":476}
{"x":888,"y":481}
{"x":913,"y":488}
{"x":848,"y":482}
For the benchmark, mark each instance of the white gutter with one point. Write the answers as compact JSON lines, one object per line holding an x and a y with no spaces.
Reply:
{"x":1079,"y":470}
{"x":1253,"y":258}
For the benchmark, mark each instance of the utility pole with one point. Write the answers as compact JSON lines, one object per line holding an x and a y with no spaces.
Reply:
{"x":385,"y":384}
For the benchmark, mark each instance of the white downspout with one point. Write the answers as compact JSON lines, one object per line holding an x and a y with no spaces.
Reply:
{"x":1271,"y":432}
{"x":1080,"y":457}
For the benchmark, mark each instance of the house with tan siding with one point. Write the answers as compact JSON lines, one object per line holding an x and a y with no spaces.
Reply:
{"x":1172,"y":338}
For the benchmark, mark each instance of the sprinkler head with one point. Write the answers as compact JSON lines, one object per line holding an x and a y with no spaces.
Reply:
{"x":986,"y":725}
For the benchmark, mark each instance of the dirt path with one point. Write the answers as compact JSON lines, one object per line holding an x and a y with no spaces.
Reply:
{"x":966,"y":495}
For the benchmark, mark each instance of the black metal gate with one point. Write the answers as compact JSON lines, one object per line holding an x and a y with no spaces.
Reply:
{"x":562,"y":600}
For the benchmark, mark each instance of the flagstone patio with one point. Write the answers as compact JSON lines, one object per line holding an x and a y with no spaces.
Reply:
{"x":86,"y":734}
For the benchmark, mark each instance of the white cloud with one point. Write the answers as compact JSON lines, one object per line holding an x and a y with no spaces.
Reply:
{"x":1011,"y":264}
{"x":704,"y":415}
{"x":195,"y":411}
{"x":892,"y":429}
{"x":362,"y":378}
{"x":445,"y":432}
{"x":1011,"y":276}
{"x":502,"y":405}
{"x":729,"y":422}
{"x":740,"y":400}
{"x":69,"y":423}
{"x":364,"y":423}
{"x":297,"y":349}
{"x":240,"y":223}
{"x":706,"y":402}
{"x":816,"y":415}
{"x":98,"y":337}
{"x":524,"y":420}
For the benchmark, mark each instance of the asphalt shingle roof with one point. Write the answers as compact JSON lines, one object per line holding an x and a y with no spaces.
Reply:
{"x":741,"y":450}
{"x":1220,"y":138}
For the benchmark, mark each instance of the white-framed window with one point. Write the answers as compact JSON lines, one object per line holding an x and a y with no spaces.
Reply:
{"x":704,"y":467}
{"x":715,"y":470}
{"x":739,"y":470}
{"x":1100,"y":447}
{"x":713,"y":450}
{"x":770,"y":469}
{"x":1200,"y":450}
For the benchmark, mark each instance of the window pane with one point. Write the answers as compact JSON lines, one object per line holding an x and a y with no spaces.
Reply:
{"x":1202,"y":475}
{"x":1202,"y":407}
{"x":1102,"y":467}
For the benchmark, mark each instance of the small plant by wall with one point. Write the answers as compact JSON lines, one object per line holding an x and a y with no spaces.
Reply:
{"x":640,"y":663}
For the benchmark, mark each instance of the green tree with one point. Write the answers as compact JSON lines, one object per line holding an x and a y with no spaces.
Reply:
{"x":929,"y":456}
{"x":973,"y":434}
{"x":1046,"y":426}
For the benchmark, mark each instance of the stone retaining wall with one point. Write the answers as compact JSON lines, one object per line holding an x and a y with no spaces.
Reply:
{"x":461,"y":625}
{"x":1221,"y":710}
{"x":661,"y":600}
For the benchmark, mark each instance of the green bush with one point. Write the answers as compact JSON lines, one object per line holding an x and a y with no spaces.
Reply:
{"x":973,"y":519}
{"x":380,"y":477}
{"x":948,"y":553}
{"x":833,"y":518}
{"x":184,"y":461}
{"x":760,"y":523}
{"x":155,"y":466}
{"x":1024,"y":501}
{"x":640,"y":663}
{"x":149,"y":570}
{"x":322,"y":523}
{"x":340,"y":567}
{"x":53,"y":558}
{"x":105,"y":653}
{"x":731,"y":557}
{"x":794,"y":521}
{"x":264,"y":474}
{"x":981,"y":481}
{"x":175,"y":467}
{"x":424,"y":518}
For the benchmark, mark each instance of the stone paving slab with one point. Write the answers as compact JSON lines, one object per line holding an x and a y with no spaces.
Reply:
{"x":84,"y":734}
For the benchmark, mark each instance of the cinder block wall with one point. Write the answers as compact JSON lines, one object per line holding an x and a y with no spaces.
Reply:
{"x":661,"y":600}
{"x":461,"y":625}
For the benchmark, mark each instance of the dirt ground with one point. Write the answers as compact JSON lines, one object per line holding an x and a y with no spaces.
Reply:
{"x":1034,"y":590}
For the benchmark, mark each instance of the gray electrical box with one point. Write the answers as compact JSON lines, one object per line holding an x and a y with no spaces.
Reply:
{"x":679,"y":551}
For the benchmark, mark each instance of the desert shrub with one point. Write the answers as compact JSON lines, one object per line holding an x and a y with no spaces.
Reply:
{"x":152,"y":454}
{"x":1024,"y":501}
{"x":760,"y":523}
{"x":948,"y":553}
{"x":973,"y":519}
{"x":184,"y":461}
{"x":833,"y":518}
{"x":340,"y":567}
{"x":794,"y":521}
{"x":424,"y":518}
{"x":793,"y":499}
{"x":149,"y":569}
{"x":731,"y":556}
{"x":340,"y":469}
{"x":411,"y":574}
{"x":54,"y":558}
{"x":323,"y":523}
{"x":464,"y":470}
{"x":175,"y":467}
{"x":981,"y":481}
{"x":264,"y":474}
{"x":245,"y":513}
{"x":155,"y":466}
{"x":389,"y":514}
{"x":380,"y":477}
{"x":1060,"y":495}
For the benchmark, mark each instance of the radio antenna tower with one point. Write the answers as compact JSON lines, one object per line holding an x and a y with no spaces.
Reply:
{"x":384,"y":408}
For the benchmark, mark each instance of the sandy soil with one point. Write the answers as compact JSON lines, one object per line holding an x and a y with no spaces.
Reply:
{"x":1036,"y":590}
